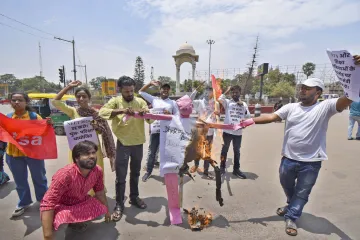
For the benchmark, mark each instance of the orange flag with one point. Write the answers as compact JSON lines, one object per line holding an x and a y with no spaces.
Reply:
{"x":216,"y":86}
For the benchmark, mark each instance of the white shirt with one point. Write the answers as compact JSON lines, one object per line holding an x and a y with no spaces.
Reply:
{"x":305,"y":130}
{"x":159,"y":105}
{"x":234,"y":113}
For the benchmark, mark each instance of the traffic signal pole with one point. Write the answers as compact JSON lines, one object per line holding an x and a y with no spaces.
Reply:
{"x":64,"y":75}
{"x":73,"y":45}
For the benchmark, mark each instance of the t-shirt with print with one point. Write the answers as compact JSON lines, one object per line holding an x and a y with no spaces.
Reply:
{"x":234,"y":113}
{"x":305,"y":130}
{"x":158,"y":107}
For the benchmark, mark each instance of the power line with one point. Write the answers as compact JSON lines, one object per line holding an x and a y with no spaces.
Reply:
{"x":20,"y":30}
{"x":26,"y":25}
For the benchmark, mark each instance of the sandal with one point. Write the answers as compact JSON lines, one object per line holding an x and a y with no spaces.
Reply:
{"x":193,"y":169}
{"x":281,"y":211}
{"x":78,"y":227}
{"x":208,"y":175}
{"x":117,"y":214}
{"x":138,"y":202}
{"x":290,"y":227}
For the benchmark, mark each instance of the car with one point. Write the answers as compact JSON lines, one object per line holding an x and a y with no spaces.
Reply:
{"x":4,"y":101}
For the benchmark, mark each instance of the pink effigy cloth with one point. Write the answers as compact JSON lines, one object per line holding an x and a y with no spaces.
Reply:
{"x":243,"y":124}
{"x":171,"y":182}
{"x":149,"y":116}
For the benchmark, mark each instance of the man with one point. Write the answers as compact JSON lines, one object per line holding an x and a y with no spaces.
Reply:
{"x":235,"y":112}
{"x":205,"y":107}
{"x":67,"y":199}
{"x":161,"y":105}
{"x":130,"y":135}
{"x":304,"y":146}
{"x":354,"y":117}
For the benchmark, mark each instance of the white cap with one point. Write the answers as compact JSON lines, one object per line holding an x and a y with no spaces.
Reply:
{"x":314,"y":82}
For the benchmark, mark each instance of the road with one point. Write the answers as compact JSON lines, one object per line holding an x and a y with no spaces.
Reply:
{"x":333,"y":210}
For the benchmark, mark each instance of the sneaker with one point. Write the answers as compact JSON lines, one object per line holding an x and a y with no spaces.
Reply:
{"x":239,"y":174}
{"x":350,"y":138}
{"x":4,"y":178}
{"x":146,"y":176}
{"x":19,"y":211}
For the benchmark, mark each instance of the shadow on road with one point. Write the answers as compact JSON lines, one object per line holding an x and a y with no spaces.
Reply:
{"x":307,"y":222}
{"x":31,"y":219}
{"x":96,"y":231}
{"x":6,"y":189}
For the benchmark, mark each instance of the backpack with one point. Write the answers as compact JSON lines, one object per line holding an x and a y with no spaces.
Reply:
{"x":32,"y":115}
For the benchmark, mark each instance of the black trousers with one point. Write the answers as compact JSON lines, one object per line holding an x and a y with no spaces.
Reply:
{"x":123,"y":155}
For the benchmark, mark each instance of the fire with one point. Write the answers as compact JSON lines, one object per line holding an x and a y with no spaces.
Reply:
{"x":198,"y":221}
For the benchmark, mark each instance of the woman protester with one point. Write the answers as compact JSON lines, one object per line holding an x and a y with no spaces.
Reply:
{"x":19,"y":163}
{"x":101,"y":126}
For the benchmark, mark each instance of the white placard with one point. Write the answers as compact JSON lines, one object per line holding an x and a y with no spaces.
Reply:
{"x":175,"y":135}
{"x":79,"y":130}
{"x":347,"y":72}
{"x":155,"y":126}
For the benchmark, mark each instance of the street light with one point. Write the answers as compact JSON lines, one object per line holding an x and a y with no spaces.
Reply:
{"x":210,"y":42}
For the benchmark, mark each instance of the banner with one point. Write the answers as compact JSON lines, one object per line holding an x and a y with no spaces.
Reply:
{"x":35,"y":138}
{"x":79,"y":130}
{"x":347,"y":72}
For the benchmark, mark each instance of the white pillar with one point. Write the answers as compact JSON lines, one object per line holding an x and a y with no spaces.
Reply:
{"x":177,"y":79}
{"x":193,"y":75}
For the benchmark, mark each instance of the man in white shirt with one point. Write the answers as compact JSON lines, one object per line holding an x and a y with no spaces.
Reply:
{"x":205,"y":108}
{"x":160,"y":105}
{"x":235,"y":112}
{"x":304,"y":146}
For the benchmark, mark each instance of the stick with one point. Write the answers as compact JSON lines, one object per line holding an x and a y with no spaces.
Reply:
{"x":181,"y":188}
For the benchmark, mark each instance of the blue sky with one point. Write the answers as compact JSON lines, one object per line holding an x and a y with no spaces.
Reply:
{"x":110,"y":34}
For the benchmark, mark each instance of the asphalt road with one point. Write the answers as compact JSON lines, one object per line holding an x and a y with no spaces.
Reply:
{"x":333,"y":210}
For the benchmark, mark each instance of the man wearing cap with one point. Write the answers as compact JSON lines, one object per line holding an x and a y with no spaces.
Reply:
{"x":161,"y":105}
{"x":304,"y":146}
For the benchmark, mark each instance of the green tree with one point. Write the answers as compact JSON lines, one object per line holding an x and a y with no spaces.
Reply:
{"x":282,"y":89}
{"x":139,"y":75}
{"x":308,"y":69}
{"x":95,"y":83}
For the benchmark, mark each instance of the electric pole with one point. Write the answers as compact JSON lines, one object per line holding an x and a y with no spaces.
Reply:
{"x":152,"y":73}
{"x":252,"y":64}
{"x":40,"y":61}
{"x":210,"y":42}
{"x":73,"y":45}
{"x":84,"y":66}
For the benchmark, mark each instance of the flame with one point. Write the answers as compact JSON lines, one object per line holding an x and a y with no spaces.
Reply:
{"x":198,"y":221}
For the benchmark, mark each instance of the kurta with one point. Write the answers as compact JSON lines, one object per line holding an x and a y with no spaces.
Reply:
{"x":72,"y":113}
{"x":67,"y":196}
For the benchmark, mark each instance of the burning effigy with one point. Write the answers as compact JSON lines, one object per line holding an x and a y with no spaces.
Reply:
{"x":198,"y":221}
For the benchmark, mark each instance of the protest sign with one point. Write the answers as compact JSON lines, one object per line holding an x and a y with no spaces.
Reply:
{"x":347,"y":72}
{"x":175,"y":135}
{"x":80,"y":129}
{"x":35,"y":138}
{"x":155,"y":126}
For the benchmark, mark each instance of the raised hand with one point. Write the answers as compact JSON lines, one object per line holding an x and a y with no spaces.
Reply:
{"x":155,"y":83}
{"x":74,"y":84}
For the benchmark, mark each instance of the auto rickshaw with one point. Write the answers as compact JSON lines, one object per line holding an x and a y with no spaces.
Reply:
{"x":41,"y":102}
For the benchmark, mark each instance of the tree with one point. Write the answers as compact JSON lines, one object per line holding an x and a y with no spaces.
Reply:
{"x":95,"y":83}
{"x":308,"y":69}
{"x":282,"y":89}
{"x":139,"y":75}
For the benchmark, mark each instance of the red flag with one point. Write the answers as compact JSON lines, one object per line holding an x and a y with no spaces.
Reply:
{"x":35,"y":138}
{"x":216,"y":86}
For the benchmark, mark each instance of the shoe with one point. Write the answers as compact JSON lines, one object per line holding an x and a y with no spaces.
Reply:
{"x":239,"y":174}
{"x":19,"y":211}
{"x":157,"y":164}
{"x":146,"y":176}
{"x":350,"y":138}
{"x":358,"y":138}
{"x":208,"y":175}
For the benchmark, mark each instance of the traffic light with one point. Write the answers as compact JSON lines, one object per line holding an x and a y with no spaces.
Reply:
{"x":61,"y":75}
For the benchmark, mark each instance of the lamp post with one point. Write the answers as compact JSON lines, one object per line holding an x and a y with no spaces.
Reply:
{"x":210,"y":42}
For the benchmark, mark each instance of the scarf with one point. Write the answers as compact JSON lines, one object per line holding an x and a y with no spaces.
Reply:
{"x":102,"y":126}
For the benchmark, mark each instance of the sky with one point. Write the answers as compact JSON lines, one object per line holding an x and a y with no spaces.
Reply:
{"x":110,"y":34}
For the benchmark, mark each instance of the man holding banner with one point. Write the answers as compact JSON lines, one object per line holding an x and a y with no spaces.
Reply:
{"x":131,"y":137}
{"x":161,"y":105}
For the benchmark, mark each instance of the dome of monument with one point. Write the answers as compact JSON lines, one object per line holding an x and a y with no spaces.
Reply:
{"x":186,"y":48}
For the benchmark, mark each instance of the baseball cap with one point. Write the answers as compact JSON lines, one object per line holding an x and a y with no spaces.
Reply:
{"x":165,"y":85}
{"x":314,"y":82}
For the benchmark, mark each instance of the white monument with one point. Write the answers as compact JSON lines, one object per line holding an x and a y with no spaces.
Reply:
{"x":186,"y":53}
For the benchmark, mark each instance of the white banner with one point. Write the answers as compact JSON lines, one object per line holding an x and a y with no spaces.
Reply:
{"x":80,"y":129}
{"x":347,"y":72}
{"x":175,"y":135}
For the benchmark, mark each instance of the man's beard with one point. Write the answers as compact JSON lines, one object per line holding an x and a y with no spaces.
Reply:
{"x":87,"y":164}
{"x":128,"y":99}
{"x":236,"y":99}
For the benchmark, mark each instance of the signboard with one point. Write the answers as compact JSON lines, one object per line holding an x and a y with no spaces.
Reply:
{"x":80,"y":129}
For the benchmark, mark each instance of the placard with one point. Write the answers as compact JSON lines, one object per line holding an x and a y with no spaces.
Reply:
{"x":80,"y":129}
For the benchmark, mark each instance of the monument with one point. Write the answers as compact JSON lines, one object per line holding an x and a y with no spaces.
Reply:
{"x":185,"y":53}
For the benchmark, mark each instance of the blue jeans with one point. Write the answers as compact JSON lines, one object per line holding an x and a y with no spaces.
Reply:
{"x":153,"y":149}
{"x":19,"y":168}
{"x":227,"y":138}
{"x":352,"y":120}
{"x":297,"y":179}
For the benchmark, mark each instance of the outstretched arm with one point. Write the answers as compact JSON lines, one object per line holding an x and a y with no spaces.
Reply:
{"x":267,"y":118}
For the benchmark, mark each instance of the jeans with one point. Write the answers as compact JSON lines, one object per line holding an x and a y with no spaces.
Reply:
{"x":297,"y":179}
{"x":352,"y":120}
{"x":152,"y":152}
{"x":123,"y":154}
{"x":227,"y":138}
{"x":209,"y":145}
{"x":19,"y":168}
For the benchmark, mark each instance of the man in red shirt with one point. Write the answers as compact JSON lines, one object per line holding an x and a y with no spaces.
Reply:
{"x":67,"y":200}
